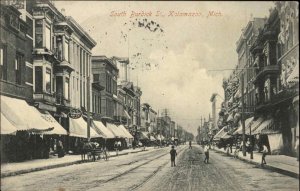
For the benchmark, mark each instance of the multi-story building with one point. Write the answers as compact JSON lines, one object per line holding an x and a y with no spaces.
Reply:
{"x":137,"y":106}
{"x":153,"y":123}
{"x":106,"y":72}
{"x":245,"y":67}
{"x":288,"y":59}
{"x":148,"y":118}
{"x":145,"y":117}
{"x":15,"y":54}
{"x":242,"y":73}
{"x":276,"y":55}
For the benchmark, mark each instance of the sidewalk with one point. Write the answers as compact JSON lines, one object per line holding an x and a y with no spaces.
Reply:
{"x":13,"y":169}
{"x":279,"y":163}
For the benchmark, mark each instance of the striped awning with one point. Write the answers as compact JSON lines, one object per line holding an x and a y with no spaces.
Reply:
{"x":265,"y":127}
{"x":294,"y":76}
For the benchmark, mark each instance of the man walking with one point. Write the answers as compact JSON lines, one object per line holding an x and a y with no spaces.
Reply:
{"x":173,"y":154}
{"x":190,"y":143}
{"x":263,"y":158}
{"x":206,"y":152}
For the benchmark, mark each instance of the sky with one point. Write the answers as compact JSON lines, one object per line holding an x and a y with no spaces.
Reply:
{"x":172,"y":58}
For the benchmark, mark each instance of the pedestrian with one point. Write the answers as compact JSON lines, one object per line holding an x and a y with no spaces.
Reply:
{"x":190,"y":143}
{"x":173,"y":154}
{"x":119,"y":145}
{"x":60,"y":149}
{"x":236,"y":151}
{"x":116,"y":148}
{"x":263,"y":158}
{"x":206,"y":152}
{"x":227,"y":149}
{"x":297,"y":148}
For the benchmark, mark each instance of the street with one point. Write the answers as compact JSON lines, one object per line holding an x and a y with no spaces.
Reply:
{"x":151,"y":170}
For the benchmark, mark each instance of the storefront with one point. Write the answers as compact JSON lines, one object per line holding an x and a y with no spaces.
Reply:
{"x":26,"y":132}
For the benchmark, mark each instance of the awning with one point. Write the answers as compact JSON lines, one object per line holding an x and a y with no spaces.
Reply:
{"x":78,"y":128}
{"x":226,"y":136}
{"x":6,"y":126}
{"x":230,"y":118}
{"x":152,"y":138}
{"x":23,"y":116}
{"x":160,"y":137}
{"x":265,"y":127}
{"x":102,"y":130}
{"x":220,"y":134}
{"x":128,"y":135}
{"x":143,"y":135}
{"x":57,"y":128}
{"x":237,"y":94}
{"x":115,"y":130}
{"x":294,"y":76}
{"x":248,"y":123}
{"x":126,"y":114}
{"x":255,"y":124}
{"x":296,"y":98}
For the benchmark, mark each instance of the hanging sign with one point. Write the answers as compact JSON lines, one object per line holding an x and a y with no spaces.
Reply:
{"x":75,"y":113}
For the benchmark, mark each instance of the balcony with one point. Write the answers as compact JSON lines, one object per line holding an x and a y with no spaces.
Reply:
{"x":65,"y":65}
{"x":280,"y":98}
{"x":44,"y":97}
{"x":12,"y":89}
{"x":270,"y":69}
{"x":247,"y":109}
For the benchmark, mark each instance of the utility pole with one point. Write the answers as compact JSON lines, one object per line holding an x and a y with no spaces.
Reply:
{"x":242,"y":114}
{"x":88,"y":109}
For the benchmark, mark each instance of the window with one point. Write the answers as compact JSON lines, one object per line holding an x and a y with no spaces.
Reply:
{"x":66,"y":89}
{"x":38,"y":79}
{"x":48,"y":38}
{"x":3,"y":63}
{"x":99,"y":102}
{"x":66,"y":51}
{"x":59,"y":48}
{"x":1,"y":56}
{"x":38,"y":33}
{"x":96,"y":77}
{"x":48,"y":80}
{"x":30,"y":24}
{"x":18,"y":61}
{"x":53,"y":83}
{"x":77,"y":84}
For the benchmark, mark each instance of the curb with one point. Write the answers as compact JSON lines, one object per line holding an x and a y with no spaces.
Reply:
{"x":268,"y":167}
{"x":19,"y":172}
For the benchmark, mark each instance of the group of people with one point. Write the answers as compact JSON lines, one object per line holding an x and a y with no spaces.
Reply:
{"x":173,"y":153}
{"x":249,"y":149}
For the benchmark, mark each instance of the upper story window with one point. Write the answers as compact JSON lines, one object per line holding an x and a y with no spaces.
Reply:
{"x":66,"y":88}
{"x":38,"y":79}
{"x":3,"y":63}
{"x":96,"y":77}
{"x":30,"y":24}
{"x":48,"y":80}
{"x":18,"y":61}
{"x":38,"y":33}
{"x":66,"y":50}
{"x":48,"y":37}
{"x":42,"y":34}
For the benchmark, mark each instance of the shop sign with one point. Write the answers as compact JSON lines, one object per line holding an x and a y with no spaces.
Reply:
{"x":75,"y":113}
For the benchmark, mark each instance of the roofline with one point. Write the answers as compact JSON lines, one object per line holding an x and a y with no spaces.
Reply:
{"x":81,"y":31}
